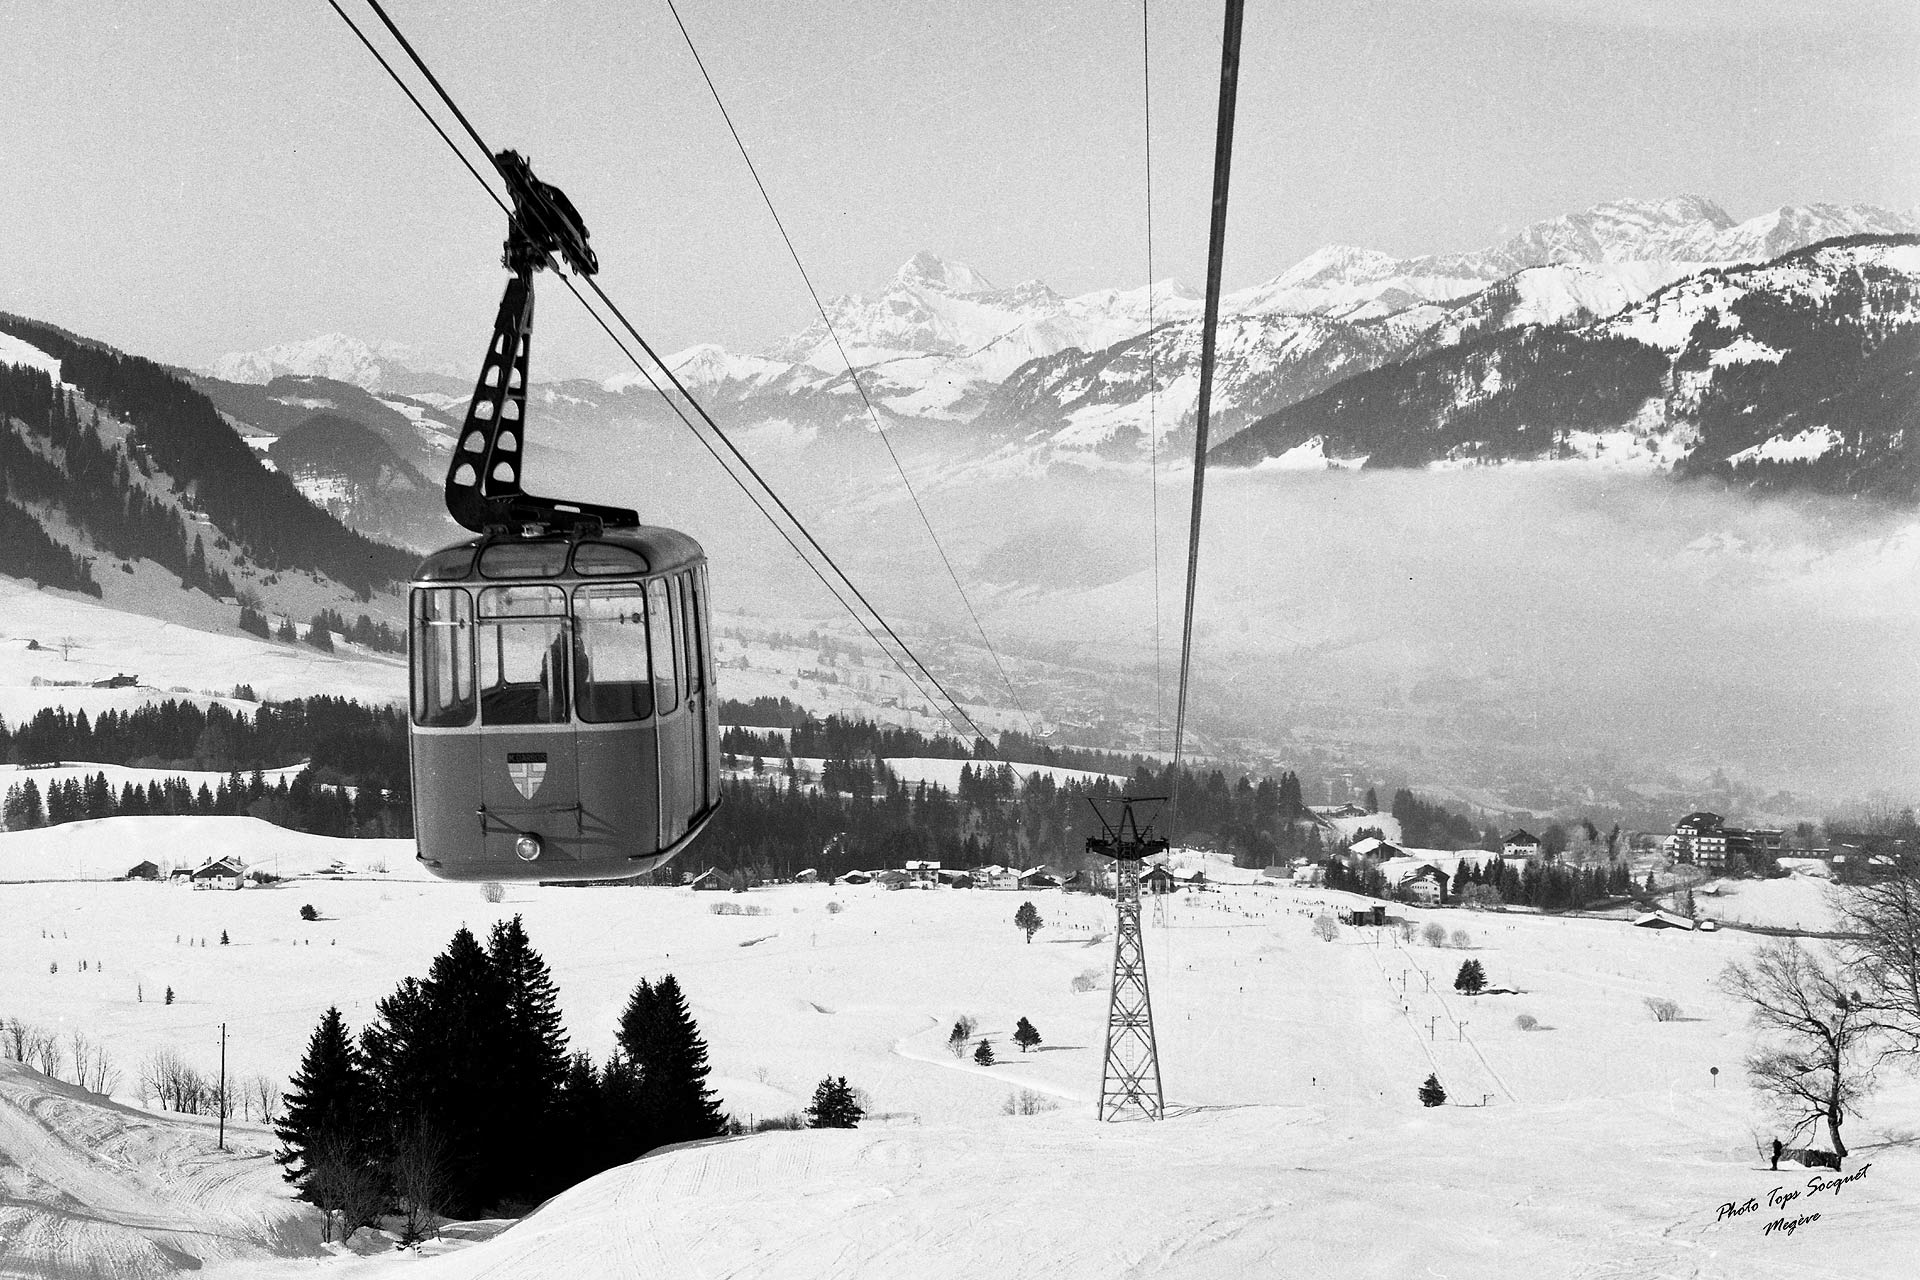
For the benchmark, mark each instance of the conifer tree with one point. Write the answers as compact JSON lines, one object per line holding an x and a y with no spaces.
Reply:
{"x":984,"y":1054}
{"x":532,"y":1054}
{"x":580,"y":1124}
{"x":1025,"y":1035}
{"x":434,"y":1056}
{"x":834,"y":1106}
{"x":325,"y":1121}
{"x":658,"y":1035}
{"x":1431,"y":1094}
{"x":1472,"y":978}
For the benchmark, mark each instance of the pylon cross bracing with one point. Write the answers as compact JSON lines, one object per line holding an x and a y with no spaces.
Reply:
{"x":1130,"y":1073}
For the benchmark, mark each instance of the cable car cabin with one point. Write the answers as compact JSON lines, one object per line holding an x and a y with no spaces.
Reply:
{"x":564,"y":725}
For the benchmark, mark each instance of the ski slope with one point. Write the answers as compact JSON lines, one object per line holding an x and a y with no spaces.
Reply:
{"x":1296,"y":1145}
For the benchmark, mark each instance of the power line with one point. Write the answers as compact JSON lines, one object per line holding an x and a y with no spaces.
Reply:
{"x":845,"y":360}
{"x":707,"y":418}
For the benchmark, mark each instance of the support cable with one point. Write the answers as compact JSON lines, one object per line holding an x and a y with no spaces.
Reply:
{"x":1153,"y":387}
{"x":872,"y":413}
{"x":1216,"y":253}
{"x":707,"y":418}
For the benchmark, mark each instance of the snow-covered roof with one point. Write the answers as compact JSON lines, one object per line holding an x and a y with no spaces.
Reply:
{"x":1662,"y":920}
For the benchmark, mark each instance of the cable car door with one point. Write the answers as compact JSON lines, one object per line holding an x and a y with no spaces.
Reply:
{"x":699,"y":689}
{"x":529,"y":768}
{"x":668,"y":641}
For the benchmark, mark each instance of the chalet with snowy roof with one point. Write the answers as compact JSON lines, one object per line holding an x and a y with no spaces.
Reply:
{"x":1157,"y":879}
{"x":806,"y":875}
{"x":142,"y":871}
{"x":709,"y":880}
{"x":1041,"y":877}
{"x":1662,"y":919}
{"x":924,"y":872}
{"x":1374,"y":848}
{"x":221,"y":873}
{"x":854,"y":877}
{"x":1520,"y":843}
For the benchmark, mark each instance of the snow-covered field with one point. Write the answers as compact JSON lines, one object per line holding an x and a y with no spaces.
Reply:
{"x":1606,"y":1146}
{"x":80,"y":641}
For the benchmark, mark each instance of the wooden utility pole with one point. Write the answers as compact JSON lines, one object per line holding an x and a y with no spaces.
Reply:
{"x":220,"y":1103}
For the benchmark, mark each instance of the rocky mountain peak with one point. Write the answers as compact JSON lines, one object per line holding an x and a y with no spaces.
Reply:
{"x":925,"y":270}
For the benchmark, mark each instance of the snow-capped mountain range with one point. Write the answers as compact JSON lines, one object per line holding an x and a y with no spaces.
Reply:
{"x":1038,"y":377}
{"x":1805,"y":359}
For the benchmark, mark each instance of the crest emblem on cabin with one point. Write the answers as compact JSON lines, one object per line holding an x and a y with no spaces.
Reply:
{"x":527,"y":769}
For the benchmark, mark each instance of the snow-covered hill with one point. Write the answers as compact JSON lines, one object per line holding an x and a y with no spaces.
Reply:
{"x":1600,"y":1144}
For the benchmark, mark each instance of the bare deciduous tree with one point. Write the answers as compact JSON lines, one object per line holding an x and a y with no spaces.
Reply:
{"x":344,"y":1186}
{"x":1816,"y":1074}
{"x":263,"y":1094}
{"x":44,"y":1053}
{"x":421,"y":1179}
{"x":1883,"y":957}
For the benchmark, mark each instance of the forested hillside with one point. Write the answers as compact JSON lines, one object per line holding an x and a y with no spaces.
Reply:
{"x":178,"y":430}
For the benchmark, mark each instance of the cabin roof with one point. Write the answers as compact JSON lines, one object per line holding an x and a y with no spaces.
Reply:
{"x":663,"y":549}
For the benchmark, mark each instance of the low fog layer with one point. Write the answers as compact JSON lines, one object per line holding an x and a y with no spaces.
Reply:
{"x":1457,"y":618}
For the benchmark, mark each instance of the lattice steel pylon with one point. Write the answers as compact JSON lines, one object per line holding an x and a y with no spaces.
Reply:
{"x":1130,"y":1075}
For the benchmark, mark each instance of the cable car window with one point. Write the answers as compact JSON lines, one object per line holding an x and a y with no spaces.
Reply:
{"x":600,"y":559}
{"x":523,"y":602}
{"x":611,"y":679}
{"x":666,"y":689}
{"x":523,"y":655}
{"x":445,"y":566}
{"x":703,"y":595}
{"x":523,"y":560}
{"x":689,"y":617}
{"x":442,"y":657}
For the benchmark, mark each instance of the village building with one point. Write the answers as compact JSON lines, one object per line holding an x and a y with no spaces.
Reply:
{"x":221,"y":873}
{"x":1157,"y":879}
{"x":142,"y":871}
{"x":1520,"y":843}
{"x":1662,"y":919}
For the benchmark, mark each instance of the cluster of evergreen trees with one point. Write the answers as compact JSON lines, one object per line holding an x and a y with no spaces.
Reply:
{"x":462,"y":1097}
{"x":347,"y":746}
{"x":302,"y":804}
{"x":772,"y":826}
{"x":364,"y":631}
{"x":848,"y":738}
{"x":1543,"y":886}
{"x":1424,"y":825}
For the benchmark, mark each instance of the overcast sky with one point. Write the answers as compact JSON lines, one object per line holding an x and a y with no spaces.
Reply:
{"x":188,"y":179}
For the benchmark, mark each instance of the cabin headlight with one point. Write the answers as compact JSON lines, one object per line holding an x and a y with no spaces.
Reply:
{"x":527,"y":847}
